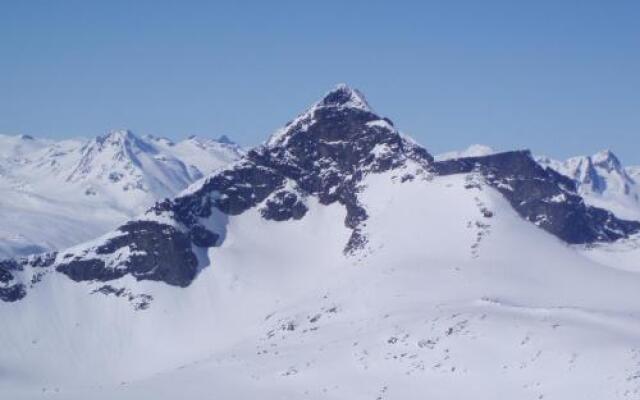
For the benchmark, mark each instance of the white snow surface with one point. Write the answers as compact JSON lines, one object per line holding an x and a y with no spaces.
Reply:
{"x":443,"y":303}
{"x":634,"y":172}
{"x":54,"y":194}
{"x":475,"y":150}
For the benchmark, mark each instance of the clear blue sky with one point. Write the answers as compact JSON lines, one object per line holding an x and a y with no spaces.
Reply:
{"x":559,"y":77}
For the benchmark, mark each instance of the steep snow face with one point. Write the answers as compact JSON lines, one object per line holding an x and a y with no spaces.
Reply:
{"x":55,"y":194}
{"x":602,"y":181}
{"x":475,"y":150}
{"x":205,"y":154}
{"x":634,"y":173}
{"x":121,"y":162}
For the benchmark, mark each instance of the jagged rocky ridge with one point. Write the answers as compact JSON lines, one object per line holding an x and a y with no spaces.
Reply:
{"x":324,"y":153}
{"x":602,"y":181}
{"x":544,"y":197}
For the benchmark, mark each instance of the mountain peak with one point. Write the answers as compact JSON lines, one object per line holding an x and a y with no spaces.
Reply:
{"x":606,"y":159}
{"x":342,"y":106}
{"x":116,"y":136}
{"x":344,"y":96}
{"x":224,"y":139}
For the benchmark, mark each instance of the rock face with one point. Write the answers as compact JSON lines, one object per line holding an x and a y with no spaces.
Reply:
{"x":9,"y":291}
{"x":157,"y":252}
{"x":544,"y":197}
{"x":325,"y":153}
{"x":13,"y":289}
{"x":602,"y":181}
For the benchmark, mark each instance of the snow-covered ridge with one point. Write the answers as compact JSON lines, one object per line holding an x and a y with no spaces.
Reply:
{"x":59,"y":193}
{"x":475,"y":150}
{"x":603,"y":181}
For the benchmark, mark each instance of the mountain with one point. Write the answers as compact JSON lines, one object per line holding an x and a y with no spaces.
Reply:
{"x":337,"y":260}
{"x":59,"y":193}
{"x":602,"y":181}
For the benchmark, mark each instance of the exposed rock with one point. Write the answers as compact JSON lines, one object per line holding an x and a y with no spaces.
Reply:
{"x":543,"y":197}
{"x":282,"y":206}
{"x":325,"y":152}
{"x":5,"y":276}
{"x":159,"y":252}
{"x":12,"y":293}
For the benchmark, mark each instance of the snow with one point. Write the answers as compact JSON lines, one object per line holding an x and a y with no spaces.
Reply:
{"x":602,"y":181}
{"x":59,"y":193}
{"x":380,"y":150}
{"x":623,"y":254}
{"x":443,"y":302}
{"x":381,"y":123}
{"x":356,"y":100}
{"x":475,"y":150}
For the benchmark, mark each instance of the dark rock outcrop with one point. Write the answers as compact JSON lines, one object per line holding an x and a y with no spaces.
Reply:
{"x":543,"y":196}
{"x":325,"y":152}
{"x":12,"y":293}
{"x":157,"y":252}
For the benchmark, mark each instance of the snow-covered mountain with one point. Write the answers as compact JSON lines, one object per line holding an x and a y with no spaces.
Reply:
{"x":337,"y":260}
{"x":475,"y":150}
{"x":634,"y":172}
{"x":602,"y":181}
{"x":58,"y":193}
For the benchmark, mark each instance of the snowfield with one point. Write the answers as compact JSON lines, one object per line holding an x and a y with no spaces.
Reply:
{"x":444,"y":303}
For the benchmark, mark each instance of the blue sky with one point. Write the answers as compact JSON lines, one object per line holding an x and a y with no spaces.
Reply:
{"x":558,"y":77}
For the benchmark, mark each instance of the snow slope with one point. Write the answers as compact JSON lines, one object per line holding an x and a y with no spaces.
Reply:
{"x":443,"y":313}
{"x":346,"y":263}
{"x":634,"y":172}
{"x":56,"y":194}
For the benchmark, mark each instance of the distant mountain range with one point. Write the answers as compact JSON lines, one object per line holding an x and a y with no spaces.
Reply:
{"x":603,"y":181}
{"x":54,"y":194}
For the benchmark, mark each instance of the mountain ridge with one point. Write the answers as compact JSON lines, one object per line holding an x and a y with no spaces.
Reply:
{"x":339,"y":261}
{"x":603,"y":181}
{"x":325,"y":153}
{"x":110,"y":178}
